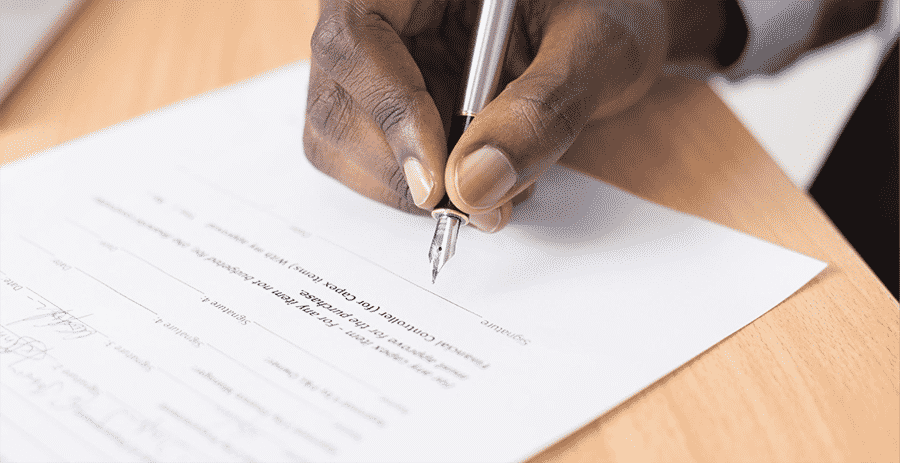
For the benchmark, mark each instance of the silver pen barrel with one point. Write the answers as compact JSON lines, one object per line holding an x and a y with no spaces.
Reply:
{"x":488,"y":53}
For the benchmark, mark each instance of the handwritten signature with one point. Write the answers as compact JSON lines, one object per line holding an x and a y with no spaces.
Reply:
{"x":67,"y":324}
{"x":23,"y":346}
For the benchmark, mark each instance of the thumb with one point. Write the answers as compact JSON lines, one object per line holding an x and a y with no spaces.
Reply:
{"x":593,"y":58}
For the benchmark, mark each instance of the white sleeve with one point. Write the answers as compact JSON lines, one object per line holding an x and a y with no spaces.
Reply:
{"x":779,"y":31}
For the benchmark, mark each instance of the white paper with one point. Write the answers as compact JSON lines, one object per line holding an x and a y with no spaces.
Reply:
{"x":155,"y":276}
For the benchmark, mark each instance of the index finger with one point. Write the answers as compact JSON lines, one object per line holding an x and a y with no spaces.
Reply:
{"x":357,"y":44}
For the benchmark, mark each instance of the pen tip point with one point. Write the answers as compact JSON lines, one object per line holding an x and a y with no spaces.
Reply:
{"x":434,"y":273}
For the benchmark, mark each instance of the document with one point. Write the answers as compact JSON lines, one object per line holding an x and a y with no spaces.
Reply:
{"x":185,"y":286}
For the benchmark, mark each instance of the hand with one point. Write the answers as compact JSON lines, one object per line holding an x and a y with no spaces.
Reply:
{"x":387,"y":75}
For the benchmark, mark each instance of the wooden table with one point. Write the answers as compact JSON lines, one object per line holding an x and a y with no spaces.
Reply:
{"x":815,"y":379}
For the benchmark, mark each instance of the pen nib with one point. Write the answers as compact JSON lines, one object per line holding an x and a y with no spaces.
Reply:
{"x":443,"y":245}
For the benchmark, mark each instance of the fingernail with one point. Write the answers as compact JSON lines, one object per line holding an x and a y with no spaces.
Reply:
{"x":488,"y":222}
{"x":419,"y":180}
{"x":483,"y":177}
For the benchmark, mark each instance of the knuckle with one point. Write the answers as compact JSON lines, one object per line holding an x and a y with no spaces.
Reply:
{"x":330,"y":111}
{"x":546,"y":92}
{"x":390,"y":105}
{"x":339,"y":53}
{"x":530,"y":111}
{"x":332,"y":44}
{"x":389,"y":108}
{"x":550,"y":107}
{"x":337,"y":42}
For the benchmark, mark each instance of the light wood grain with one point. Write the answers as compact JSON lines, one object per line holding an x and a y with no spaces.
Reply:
{"x":118,"y":60}
{"x":815,"y":379}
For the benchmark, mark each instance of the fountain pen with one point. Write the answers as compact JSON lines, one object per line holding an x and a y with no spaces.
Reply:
{"x":491,"y":39}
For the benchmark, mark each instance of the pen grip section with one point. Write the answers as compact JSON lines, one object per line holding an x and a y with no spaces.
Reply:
{"x":458,"y":124}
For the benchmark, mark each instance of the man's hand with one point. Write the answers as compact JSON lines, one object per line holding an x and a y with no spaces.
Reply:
{"x":387,"y":74}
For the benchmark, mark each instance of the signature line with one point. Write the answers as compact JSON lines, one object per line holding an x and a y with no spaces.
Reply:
{"x":161,"y":270}
{"x":97,"y":235}
{"x":36,"y":245}
{"x":115,"y":291}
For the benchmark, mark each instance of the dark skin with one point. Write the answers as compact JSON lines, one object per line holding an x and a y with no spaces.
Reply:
{"x":386,"y":77}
